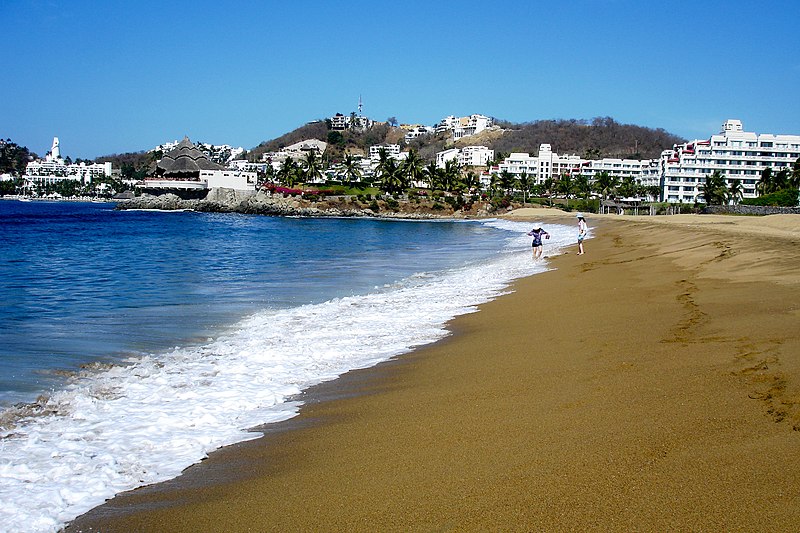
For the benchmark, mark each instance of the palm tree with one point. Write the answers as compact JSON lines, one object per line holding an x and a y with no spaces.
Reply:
{"x":289,"y":173}
{"x":628,"y":187}
{"x":383,"y":161}
{"x":412,"y":167}
{"x":495,"y":183}
{"x":431,"y":174}
{"x":766,"y":184}
{"x":352,"y":171}
{"x":549,"y":186}
{"x":583,"y":186}
{"x":566,"y":186}
{"x":524,"y":184}
{"x":451,"y":177}
{"x":735,"y":191}
{"x":653,"y":191}
{"x":794,"y":179}
{"x":714,"y":191}
{"x":312,"y":167}
{"x":472,"y":182}
{"x":782,"y":179}
{"x":506,"y":181}
{"x":605,"y":184}
{"x":392,"y":177}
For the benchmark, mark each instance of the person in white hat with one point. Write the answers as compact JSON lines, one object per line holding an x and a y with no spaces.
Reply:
{"x":581,"y":232}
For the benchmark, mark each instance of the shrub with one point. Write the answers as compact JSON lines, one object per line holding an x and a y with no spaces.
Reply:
{"x":782,"y":198}
{"x":374,"y":206}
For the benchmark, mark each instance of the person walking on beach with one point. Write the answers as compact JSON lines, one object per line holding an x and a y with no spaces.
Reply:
{"x":537,"y":235}
{"x":581,"y":232}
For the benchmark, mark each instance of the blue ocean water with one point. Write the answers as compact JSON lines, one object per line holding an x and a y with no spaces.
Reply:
{"x":82,"y":282}
{"x":152,"y":338}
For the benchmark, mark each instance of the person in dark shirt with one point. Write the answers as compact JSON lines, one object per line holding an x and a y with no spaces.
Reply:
{"x":537,"y":235}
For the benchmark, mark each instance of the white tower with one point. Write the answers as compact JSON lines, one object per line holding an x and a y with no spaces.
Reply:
{"x":55,"y":151}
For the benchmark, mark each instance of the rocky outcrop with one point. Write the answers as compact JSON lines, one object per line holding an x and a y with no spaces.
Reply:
{"x":263,"y":203}
{"x":750,"y":210}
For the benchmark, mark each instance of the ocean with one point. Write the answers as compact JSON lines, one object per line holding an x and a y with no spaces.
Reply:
{"x":133,"y":343}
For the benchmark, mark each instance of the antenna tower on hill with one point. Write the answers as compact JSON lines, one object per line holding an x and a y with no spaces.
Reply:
{"x":360,"y":105}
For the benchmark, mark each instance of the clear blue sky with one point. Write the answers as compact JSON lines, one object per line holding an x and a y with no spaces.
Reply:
{"x":111,"y":77}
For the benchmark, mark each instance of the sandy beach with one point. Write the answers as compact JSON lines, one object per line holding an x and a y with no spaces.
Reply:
{"x":652,"y":384}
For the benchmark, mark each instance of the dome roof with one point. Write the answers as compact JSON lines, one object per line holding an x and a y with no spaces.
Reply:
{"x":185,"y":159}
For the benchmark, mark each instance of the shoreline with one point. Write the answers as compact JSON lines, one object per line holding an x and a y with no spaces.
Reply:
{"x":619,"y":424}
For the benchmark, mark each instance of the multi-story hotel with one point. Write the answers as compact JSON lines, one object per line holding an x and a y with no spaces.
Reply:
{"x":53,"y":169}
{"x":464,"y":126}
{"x":540,"y":167}
{"x":469,"y":156}
{"x":738,"y":155}
{"x":679,"y":172}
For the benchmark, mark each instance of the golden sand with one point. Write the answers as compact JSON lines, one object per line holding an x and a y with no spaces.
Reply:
{"x":652,"y":384}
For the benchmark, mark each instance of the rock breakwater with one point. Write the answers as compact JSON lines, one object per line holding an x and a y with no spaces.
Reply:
{"x":264,"y":203}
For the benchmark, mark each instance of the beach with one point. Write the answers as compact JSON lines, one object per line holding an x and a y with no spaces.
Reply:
{"x":652,"y":384}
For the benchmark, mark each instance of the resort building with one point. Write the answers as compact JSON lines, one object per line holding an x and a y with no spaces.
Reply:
{"x":469,"y":156}
{"x":416,"y":131}
{"x":296,"y":151}
{"x":543,"y":166}
{"x":392,"y":150}
{"x":188,"y":172}
{"x":464,"y":126}
{"x":645,"y":171}
{"x":680,"y":172}
{"x":53,"y":169}
{"x":341,"y":122}
{"x":738,"y":156}
{"x":471,"y":125}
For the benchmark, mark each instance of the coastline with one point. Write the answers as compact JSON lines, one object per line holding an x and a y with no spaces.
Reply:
{"x":651,"y":384}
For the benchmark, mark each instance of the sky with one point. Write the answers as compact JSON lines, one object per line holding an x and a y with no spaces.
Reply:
{"x":113,"y":77}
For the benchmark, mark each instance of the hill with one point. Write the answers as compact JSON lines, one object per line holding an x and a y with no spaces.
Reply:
{"x":602,"y":137}
{"x":598,"y":138}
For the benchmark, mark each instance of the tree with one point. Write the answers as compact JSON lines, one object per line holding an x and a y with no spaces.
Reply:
{"x":583,"y":186}
{"x":794,"y":179}
{"x":312,"y":167}
{"x":628,"y":188}
{"x":524,"y":183}
{"x":653,"y":191}
{"x":392,"y":178}
{"x":412,"y":167}
{"x":714,"y":191}
{"x":451,"y":176}
{"x":506,"y":181}
{"x":766,"y":184}
{"x":289,"y":173}
{"x":392,"y":121}
{"x":13,"y":158}
{"x":352,"y":171}
{"x":605,"y":184}
{"x":782,"y":179}
{"x":472,"y":182}
{"x":432,"y":174}
{"x":735,"y":192}
{"x":566,"y":186}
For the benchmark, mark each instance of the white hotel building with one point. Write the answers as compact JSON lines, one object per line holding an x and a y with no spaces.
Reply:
{"x":738,"y":155}
{"x":53,"y":169}
{"x":679,"y":172}
{"x":540,"y":167}
{"x":469,"y":156}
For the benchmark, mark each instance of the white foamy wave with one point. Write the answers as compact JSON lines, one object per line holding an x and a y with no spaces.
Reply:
{"x":133,"y":425}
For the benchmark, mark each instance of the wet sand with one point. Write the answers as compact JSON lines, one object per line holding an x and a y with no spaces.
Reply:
{"x":652,"y":384}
